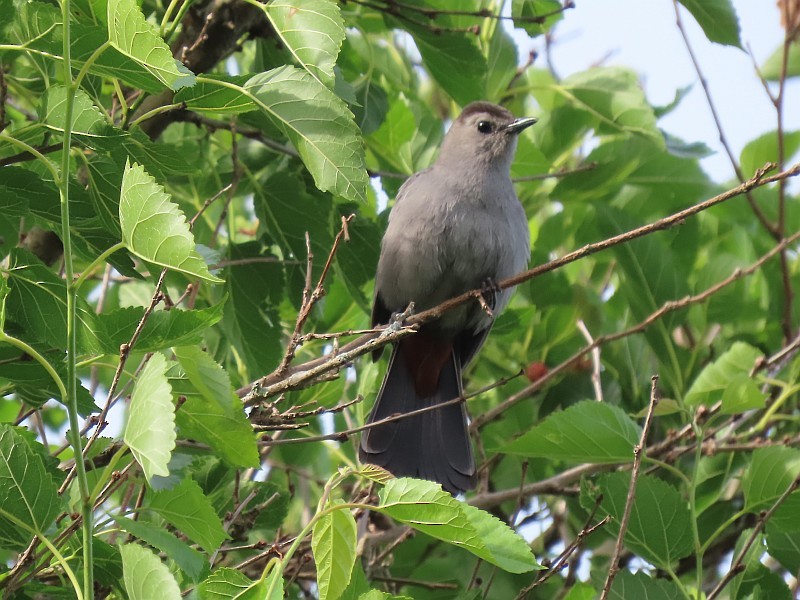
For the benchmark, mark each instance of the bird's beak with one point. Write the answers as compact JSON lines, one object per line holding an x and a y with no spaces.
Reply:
{"x":518,"y":125}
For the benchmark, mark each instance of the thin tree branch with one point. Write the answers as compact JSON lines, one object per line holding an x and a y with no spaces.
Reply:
{"x":638,"y":453}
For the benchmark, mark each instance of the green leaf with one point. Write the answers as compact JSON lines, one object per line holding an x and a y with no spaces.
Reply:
{"x":252,"y":323}
{"x":508,"y":548}
{"x":535,"y":9}
{"x":163,"y":329}
{"x":773,"y":66}
{"x":145,"y":576}
{"x":217,"y":416}
{"x":312,"y":30}
{"x":319,"y":125}
{"x":150,"y":429}
{"x":728,"y":378}
{"x":718,"y":20}
{"x":589,"y":431}
{"x":187,"y":508}
{"x":502,"y":63}
{"x":614,"y":97}
{"x":659,"y":529}
{"x":207,"y":96}
{"x":37,"y":303}
{"x":86,"y":117}
{"x":770,"y":473}
{"x":333,"y":542}
{"x":188,"y":559}
{"x":29,"y":500}
{"x":225,"y":583}
{"x":425,"y":507}
{"x":764,"y":149}
{"x":784,"y":546}
{"x":155,"y":229}
{"x":640,"y":586}
{"x":131,"y":34}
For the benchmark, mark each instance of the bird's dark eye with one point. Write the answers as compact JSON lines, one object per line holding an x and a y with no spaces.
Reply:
{"x":485,"y":126}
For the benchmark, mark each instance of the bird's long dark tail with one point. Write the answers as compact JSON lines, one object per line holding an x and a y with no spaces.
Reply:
{"x":433,"y":445}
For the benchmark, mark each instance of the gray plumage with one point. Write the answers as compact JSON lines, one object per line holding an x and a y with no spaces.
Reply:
{"x":455,"y":226}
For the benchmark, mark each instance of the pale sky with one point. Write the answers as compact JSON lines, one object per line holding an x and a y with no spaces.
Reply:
{"x":642,"y":35}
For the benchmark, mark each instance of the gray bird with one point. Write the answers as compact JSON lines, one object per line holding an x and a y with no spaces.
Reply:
{"x":455,"y":227}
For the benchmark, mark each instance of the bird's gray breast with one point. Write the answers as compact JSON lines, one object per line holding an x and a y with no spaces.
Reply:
{"x":449,"y":233}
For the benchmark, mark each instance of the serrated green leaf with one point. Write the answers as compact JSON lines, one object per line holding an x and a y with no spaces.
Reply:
{"x":86,"y":117}
{"x":37,"y":303}
{"x":659,"y":528}
{"x":510,"y":551}
{"x":728,"y":379}
{"x":770,"y":473}
{"x":150,"y":429}
{"x":131,"y":34}
{"x":640,"y":586}
{"x":425,"y":507}
{"x":312,"y":30}
{"x":29,"y":500}
{"x":154,"y":228}
{"x":217,"y":416}
{"x":585,"y":432}
{"x":188,"y":559}
{"x":318,"y":124}
{"x":614,"y":97}
{"x":252,"y":323}
{"x":718,"y":20}
{"x":333,"y":542}
{"x":187,"y":508}
{"x":145,"y":576}
{"x":225,"y":583}
{"x":211,"y":97}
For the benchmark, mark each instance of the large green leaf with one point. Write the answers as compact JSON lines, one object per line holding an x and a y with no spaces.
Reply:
{"x":589,"y":431}
{"x":29,"y":500}
{"x":764,"y":149}
{"x":333,"y":542}
{"x":770,"y":473}
{"x":86,"y":117}
{"x":717,"y":18}
{"x":640,"y":586}
{"x":312,"y":30}
{"x":659,"y":529}
{"x":188,"y":509}
{"x":216,"y":415}
{"x":131,"y":34}
{"x":145,"y":576}
{"x":425,"y":507}
{"x":150,"y":429}
{"x":188,"y":559}
{"x":319,"y":125}
{"x":728,"y":379}
{"x":230,"y":584}
{"x":208,"y":96}
{"x":614,"y":97}
{"x":154,"y":228}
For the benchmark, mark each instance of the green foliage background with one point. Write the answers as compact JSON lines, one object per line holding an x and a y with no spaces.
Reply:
{"x":164,"y":224}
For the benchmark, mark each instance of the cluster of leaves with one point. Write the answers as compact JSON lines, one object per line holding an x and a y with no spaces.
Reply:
{"x":163,"y":222}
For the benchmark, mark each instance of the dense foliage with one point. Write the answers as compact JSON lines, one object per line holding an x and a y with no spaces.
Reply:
{"x":192,"y":196}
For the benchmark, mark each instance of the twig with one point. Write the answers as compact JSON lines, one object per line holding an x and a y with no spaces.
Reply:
{"x":208,"y":203}
{"x":638,"y":452}
{"x":309,"y":300}
{"x":276,"y":383}
{"x":737,"y":566}
{"x":596,"y":366}
{"x":494,"y":412}
{"x":561,"y":560}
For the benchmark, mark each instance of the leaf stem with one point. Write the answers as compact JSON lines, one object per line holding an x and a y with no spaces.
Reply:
{"x":71,"y":401}
{"x":30,"y":350}
{"x":95,"y":263}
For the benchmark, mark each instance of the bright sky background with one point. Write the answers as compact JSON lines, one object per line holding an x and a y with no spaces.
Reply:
{"x":642,"y":35}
